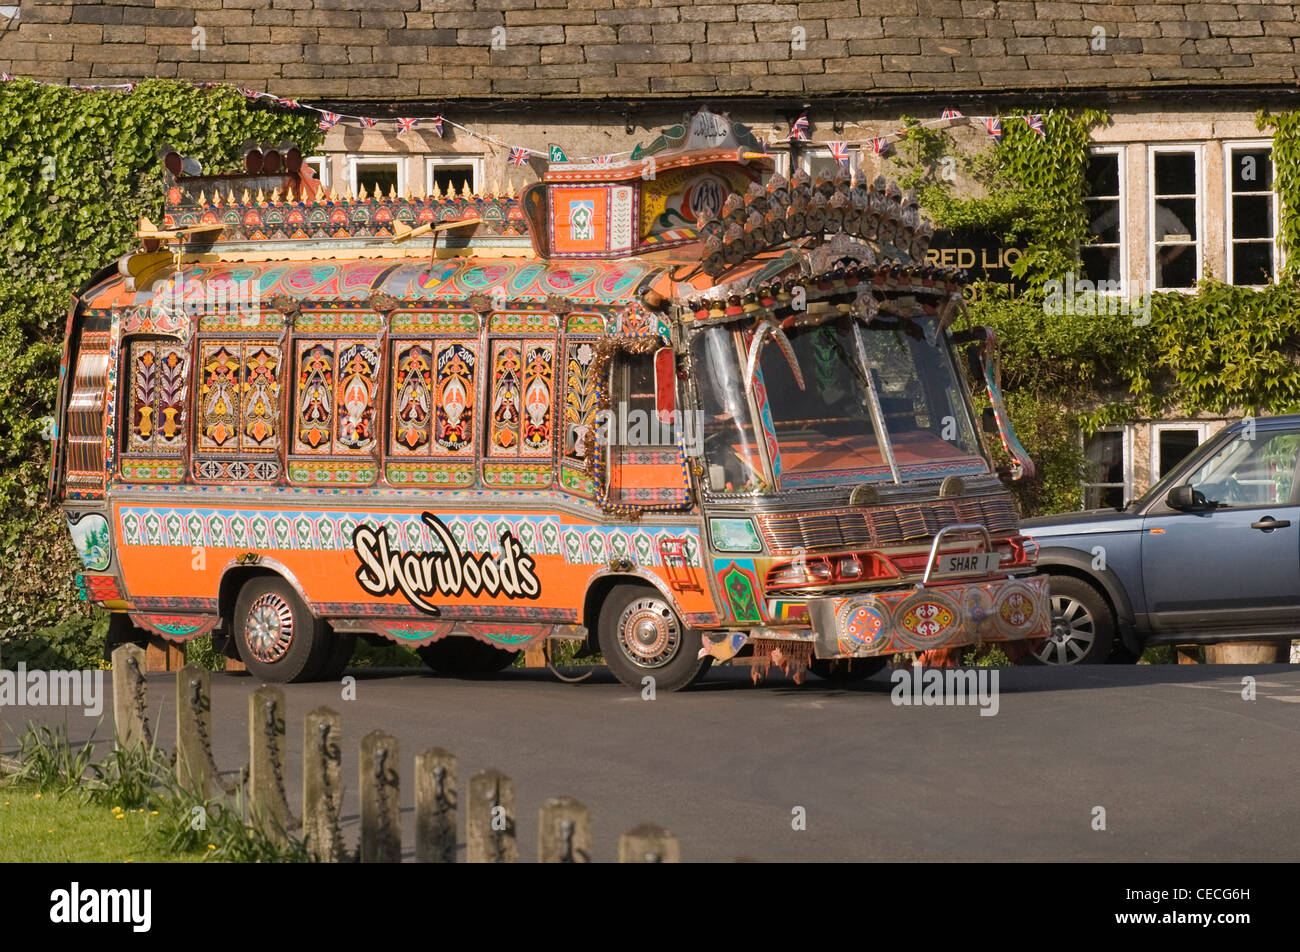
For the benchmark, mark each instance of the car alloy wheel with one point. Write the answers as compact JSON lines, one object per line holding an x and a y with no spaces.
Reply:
{"x":1073,"y":632}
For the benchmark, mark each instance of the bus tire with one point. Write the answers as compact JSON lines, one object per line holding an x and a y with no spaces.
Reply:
{"x":278,"y":638}
{"x":641,"y":636}
{"x":459,"y":655}
{"x":846,"y":669}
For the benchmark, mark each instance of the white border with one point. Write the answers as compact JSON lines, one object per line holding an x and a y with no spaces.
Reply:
{"x":475,"y":162}
{"x":395,"y":158}
{"x":1120,"y":153}
{"x":1200,"y":427}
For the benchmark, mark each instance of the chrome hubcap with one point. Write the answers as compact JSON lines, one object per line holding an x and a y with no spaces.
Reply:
{"x":269,"y":628}
{"x":1073,"y":632}
{"x":648,"y":633}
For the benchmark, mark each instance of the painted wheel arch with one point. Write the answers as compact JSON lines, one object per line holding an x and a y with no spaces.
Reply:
{"x":228,"y":588}
{"x":601,"y":583}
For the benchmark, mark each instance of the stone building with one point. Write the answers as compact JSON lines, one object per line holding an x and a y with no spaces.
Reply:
{"x":1182,"y":176}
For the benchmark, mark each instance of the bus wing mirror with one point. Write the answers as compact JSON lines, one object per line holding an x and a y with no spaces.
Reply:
{"x":986,"y":357}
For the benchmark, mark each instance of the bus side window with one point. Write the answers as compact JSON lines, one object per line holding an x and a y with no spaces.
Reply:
{"x":157,"y":384}
{"x":521,"y":395}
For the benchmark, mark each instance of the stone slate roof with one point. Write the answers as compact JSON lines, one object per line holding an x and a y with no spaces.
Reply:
{"x":638,"y":49}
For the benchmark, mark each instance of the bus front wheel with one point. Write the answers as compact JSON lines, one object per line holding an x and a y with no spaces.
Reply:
{"x":641,"y":636}
{"x":277,"y":637}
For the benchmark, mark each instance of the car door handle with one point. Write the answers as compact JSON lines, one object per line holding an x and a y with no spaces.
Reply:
{"x":1268,"y":524}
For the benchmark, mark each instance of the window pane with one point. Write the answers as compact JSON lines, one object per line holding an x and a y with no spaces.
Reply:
{"x":1250,"y":472}
{"x":817,"y":161}
{"x":377,"y":179}
{"x":1104,"y":220}
{"x":1175,"y":173}
{"x":1103,"y":175}
{"x":1252,"y":263}
{"x":1174,"y":447}
{"x":1176,"y":266}
{"x":1101,"y":264}
{"x":1103,"y":497}
{"x":1252,"y":216}
{"x":1176,"y":219}
{"x":451,"y":178}
{"x":1252,"y":170}
{"x":1105,"y":452}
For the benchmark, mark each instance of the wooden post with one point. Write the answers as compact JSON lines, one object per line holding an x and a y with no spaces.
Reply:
{"x":193,"y":727}
{"x":1188,"y":654}
{"x":130,"y":700}
{"x":490,"y":825}
{"x":267,"y":799}
{"x":322,"y":791}
{"x":435,"y":807}
{"x":164,"y":655}
{"x":563,"y":832}
{"x":381,"y":828}
{"x":648,"y":844}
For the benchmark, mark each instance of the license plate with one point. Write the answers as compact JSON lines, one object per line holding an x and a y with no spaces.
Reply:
{"x":966,"y":562}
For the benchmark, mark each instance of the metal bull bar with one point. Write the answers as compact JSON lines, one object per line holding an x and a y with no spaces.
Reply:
{"x":955,"y":528}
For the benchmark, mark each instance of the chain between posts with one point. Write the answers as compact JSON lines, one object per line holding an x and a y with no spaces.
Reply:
{"x":203,"y":705}
{"x":141,"y":704}
{"x":269,"y":725}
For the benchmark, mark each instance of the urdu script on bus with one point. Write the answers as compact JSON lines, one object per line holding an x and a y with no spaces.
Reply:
{"x":450,"y":572}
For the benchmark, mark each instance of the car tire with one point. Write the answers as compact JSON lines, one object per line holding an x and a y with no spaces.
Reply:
{"x":641,"y":636}
{"x":1083,"y":625}
{"x":846,"y":669}
{"x":458,"y":655}
{"x":278,"y":638}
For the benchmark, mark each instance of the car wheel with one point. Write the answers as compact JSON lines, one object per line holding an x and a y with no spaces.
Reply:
{"x":641,"y":636}
{"x":278,"y":638}
{"x":1083,"y":626}
{"x":457,"y":655}
{"x":846,"y":669}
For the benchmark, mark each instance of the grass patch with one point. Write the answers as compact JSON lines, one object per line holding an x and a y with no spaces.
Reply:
{"x":38,"y":827}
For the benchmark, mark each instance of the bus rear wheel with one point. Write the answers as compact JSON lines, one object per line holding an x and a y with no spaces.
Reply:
{"x":278,"y":638}
{"x":641,"y":636}
{"x":462,"y":655}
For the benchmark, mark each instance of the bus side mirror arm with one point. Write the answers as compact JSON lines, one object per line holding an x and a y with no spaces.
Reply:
{"x":984,"y":361}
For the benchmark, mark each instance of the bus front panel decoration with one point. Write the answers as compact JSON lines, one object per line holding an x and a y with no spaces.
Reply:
{"x":708,"y":415}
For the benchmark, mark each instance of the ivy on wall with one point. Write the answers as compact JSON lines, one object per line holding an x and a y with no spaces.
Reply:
{"x":77,"y":169}
{"x":1223,"y":350}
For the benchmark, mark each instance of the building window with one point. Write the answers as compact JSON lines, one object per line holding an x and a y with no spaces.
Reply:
{"x":1171,"y":444}
{"x":1108,"y":479}
{"x":376,"y":176}
{"x":814,"y":160}
{"x":320,"y":168}
{"x":1175,"y":218}
{"x":450,"y":174}
{"x":1252,"y":215}
{"x":1103,"y":258}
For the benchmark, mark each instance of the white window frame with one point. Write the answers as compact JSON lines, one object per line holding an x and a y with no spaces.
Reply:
{"x":1197,"y":154}
{"x":1126,"y":449}
{"x":434,"y":162}
{"x":1119,"y":152}
{"x":1228,"y":241}
{"x":1202,"y":430}
{"x":356,"y":161}
{"x":806,"y":151}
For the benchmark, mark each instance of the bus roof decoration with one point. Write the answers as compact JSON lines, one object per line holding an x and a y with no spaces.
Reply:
{"x":650,"y":200}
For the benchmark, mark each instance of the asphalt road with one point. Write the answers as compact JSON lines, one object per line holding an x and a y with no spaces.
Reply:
{"x":1184,"y":767}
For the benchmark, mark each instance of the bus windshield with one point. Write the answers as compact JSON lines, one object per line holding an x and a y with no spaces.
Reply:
{"x":827,"y":433}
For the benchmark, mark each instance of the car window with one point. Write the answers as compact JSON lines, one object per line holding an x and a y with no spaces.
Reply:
{"x":1254,"y":471}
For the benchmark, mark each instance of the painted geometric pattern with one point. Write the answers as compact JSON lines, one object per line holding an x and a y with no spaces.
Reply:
{"x":153,"y":470}
{"x":454,"y":322}
{"x":239,"y":396}
{"x":429,"y":474}
{"x":333,"y":472}
{"x":332,"y":531}
{"x":522,"y":322}
{"x":157,"y":397}
{"x":519,"y":475}
{"x":338,"y":321}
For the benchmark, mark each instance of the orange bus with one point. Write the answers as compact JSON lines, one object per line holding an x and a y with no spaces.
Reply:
{"x":678,"y":407}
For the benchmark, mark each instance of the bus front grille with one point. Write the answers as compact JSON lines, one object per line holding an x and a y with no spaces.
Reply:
{"x":848,"y":529}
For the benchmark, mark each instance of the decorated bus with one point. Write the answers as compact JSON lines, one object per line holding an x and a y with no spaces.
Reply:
{"x":679,"y":408}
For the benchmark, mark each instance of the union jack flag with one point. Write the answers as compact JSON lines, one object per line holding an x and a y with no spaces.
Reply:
{"x":1036,"y":123}
{"x":366,"y":121}
{"x":951,"y":114}
{"x":799,"y":129}
{"x":839,"y":152}
{"x":6,"y":77}
{"x":288,"y":103}
{"x":437,"y":125}
{"x":248,"y":92}
{"x":407,"y":125}
{"x":602,"y":159}
{"x":994,"y":126}
{"x":328,"y":120}
{"x":880,"y":145}
{"x":518,"y":156}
